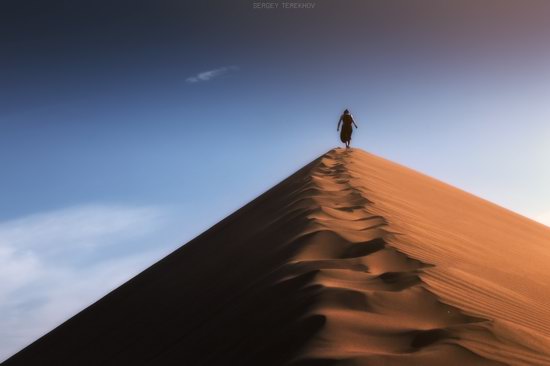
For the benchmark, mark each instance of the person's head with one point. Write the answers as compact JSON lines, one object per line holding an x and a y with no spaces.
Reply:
{"x":346,"y":112}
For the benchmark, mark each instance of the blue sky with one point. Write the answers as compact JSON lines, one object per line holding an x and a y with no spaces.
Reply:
{"x":128,"y":128}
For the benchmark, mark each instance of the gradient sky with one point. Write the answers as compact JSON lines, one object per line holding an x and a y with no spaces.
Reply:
{"x":129,"y":127}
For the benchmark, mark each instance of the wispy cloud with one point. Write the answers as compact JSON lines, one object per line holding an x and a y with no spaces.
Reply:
{"x":55,"y":263}
{"x":77,"y":228}
{"x":211,"y":74}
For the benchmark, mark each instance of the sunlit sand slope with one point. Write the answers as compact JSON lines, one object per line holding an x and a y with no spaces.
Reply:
{"x":352,"y":260}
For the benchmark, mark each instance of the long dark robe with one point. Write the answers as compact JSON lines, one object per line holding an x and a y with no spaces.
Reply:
{"x":347,"y":130}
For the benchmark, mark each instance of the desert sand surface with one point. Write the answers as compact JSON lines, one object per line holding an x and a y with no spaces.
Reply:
{"x":352,"y":260}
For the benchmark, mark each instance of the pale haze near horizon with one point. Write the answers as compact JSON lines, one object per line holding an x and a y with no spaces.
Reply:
{"x":126,"y":135}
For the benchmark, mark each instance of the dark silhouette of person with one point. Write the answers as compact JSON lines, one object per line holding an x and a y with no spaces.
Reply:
{"x":347,"y":129}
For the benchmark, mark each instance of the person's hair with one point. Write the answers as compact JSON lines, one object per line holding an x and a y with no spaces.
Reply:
{"x":346,"y":112}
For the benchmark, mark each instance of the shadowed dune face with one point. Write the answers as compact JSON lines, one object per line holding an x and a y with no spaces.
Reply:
{"x":352,"y":260}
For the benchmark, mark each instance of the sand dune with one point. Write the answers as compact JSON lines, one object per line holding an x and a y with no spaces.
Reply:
{"x":352,"y":260}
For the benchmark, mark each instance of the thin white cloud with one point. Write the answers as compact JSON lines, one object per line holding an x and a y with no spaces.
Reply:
{"x":17,"y":268}
{"x":77,"y":227}
{"x":54,"y":264}
{"x":210,"y":74}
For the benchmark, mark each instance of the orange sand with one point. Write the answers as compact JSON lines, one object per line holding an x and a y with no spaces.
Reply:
{"x":352,"y":260}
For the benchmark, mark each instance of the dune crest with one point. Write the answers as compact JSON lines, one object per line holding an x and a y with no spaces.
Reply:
{"x":352,"y":260}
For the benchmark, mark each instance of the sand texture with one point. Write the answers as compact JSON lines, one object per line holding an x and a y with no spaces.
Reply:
{"x":352,"y":260}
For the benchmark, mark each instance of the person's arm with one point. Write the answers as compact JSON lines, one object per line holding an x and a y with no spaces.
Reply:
{"x":340,"y":121}
{"x":353,"y":121}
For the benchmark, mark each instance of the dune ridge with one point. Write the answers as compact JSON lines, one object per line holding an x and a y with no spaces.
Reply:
{"x":352,"y":260}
